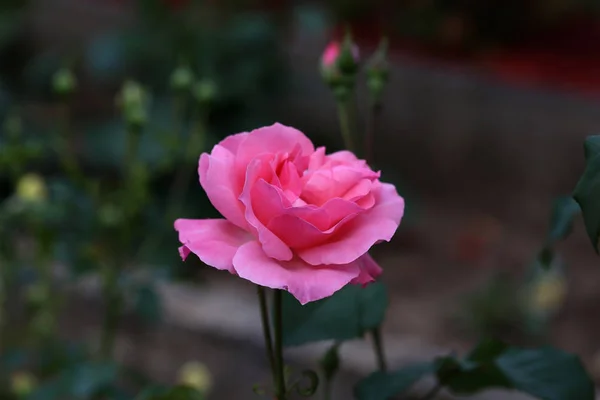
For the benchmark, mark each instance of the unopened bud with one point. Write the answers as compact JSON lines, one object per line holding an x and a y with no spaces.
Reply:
{"x":182,"y":78}
{"x":133,"y":101}
{"x":378,"y":71}
{"x":195,"y":375}
{"x":64,"y":82}
{"x":31,"y":188}
{"x":22,"y":384}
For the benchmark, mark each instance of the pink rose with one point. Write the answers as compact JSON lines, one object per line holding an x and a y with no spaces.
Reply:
{"x":295,"y":218}
{"x":332,"y":53}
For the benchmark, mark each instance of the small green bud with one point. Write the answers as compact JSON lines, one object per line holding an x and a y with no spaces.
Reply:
{"x":182,"y":78}
{"x":64,"y":82}
{"x":204,"y":91}
{"x":348,"y":59}
{"x":378,"y":71}
{"x":133,"y":101}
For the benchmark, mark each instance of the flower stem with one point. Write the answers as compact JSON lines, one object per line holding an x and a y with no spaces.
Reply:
{"x":112,"y":313}
{"x":280,"y":390}
{"x":372,"y":116}
{"x":345,"y":123}
{"x":378,"y":347}
{"x":264,"y":315}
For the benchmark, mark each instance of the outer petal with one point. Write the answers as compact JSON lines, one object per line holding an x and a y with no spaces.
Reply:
{"x":369,"y":270}
{"x":356,"y":237}
{"x":222,"y":183}
{"x":214,"y":241}
{"x":305,"y":282}
{"x":273,"y":139}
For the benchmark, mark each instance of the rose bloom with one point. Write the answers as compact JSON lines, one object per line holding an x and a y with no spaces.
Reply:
{"x":295,"y":218}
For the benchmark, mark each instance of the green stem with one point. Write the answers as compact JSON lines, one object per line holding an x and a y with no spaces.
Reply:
{"x":280,"y":390}
{"x":345,"y":123}
{"x":327,"y":389}
{"x":372,"y":117}
{"x":378,"y":347}
{"x":264,"y":315}
{"x":112,"y":312}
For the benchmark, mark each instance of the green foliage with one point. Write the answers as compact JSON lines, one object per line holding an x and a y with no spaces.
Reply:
{"x":348,"y":314}
{"x":587,"y":191}
{"x":385,"y":385}
{"x":544,"y":373}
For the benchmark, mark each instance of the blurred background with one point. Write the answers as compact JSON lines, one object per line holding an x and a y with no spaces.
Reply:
{"x":106,"y":105}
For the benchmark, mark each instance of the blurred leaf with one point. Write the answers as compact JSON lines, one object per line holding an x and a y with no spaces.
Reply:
{"x":80,"y":381}
{"x":545,"y":373}
{"x":385,"y":385}
{"x":348,"y":314}
{"x":587,"y":191}
{"x":561,"y":220}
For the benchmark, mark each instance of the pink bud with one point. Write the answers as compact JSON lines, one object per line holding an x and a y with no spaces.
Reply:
{"x":332,"y":53}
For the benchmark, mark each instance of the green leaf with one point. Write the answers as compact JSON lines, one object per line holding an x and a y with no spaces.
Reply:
{"x":561,"y":220}
{"x":547,"y":374}
{"x":348,"y":314}
{"x":591,"y":147}
{"x":80,"y":381}
{"x":587,"y":191}
{"x":384,"y":385}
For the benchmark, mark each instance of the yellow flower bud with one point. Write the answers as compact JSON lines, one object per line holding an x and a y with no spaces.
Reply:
{"x":548,"y":293}
{"x":22,"y":383}
{"x":195,"y":375}
{"x":32,"y":188}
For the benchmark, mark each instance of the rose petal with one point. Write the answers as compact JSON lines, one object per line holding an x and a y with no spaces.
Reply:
{"x":258,"y":170}
{"x":220,"y":181}
{"x":214,"y":241}
{"x":233,"y":142}
{"x":369,"y":270}
{"x":357,"y":236}
{"x":305,"y":282}
{"x":273,"y":139}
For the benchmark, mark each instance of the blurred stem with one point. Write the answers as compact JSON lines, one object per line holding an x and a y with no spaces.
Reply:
{"x":379,"y":352}
{"x":280,"y":390}
{"x":373,"y":114}
{"x":180,"y":185}
{"x":185,"y":172}
{"x":344,"y":111}
{"x":327,"y":389}
{"x":66,"y":147}
{"x":112,"y":312}
{"x":3,"y":306}
{"x":264,"y":315}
